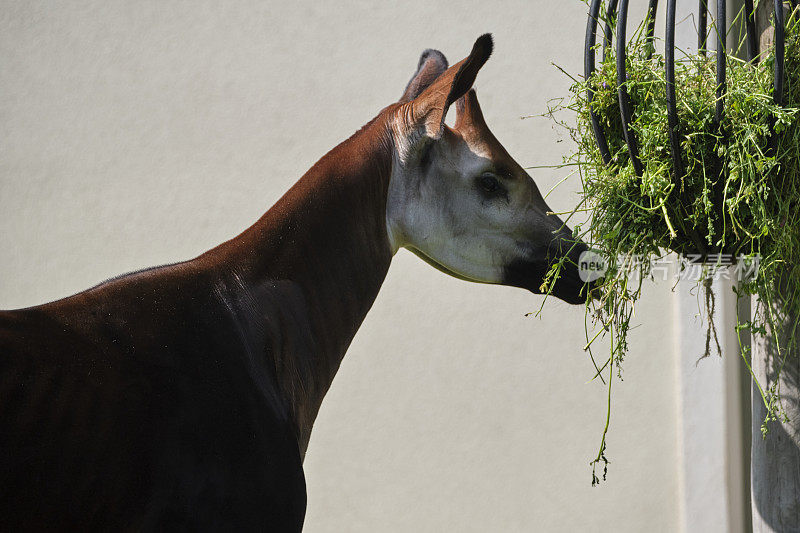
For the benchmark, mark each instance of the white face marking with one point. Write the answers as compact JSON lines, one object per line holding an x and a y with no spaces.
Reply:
{"x":438,"y":209}
{"x":458,"y":200}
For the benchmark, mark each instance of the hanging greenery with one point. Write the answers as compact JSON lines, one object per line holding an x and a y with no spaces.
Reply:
{"x":738,"y":198}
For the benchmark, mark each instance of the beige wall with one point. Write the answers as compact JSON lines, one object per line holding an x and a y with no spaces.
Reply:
{"x":139,"y":133}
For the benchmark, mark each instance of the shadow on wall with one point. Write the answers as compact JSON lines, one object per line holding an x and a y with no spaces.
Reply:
{"x":775,"y":466}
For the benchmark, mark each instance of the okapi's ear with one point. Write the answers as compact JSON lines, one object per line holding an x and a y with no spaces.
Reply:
{"x":432,"y":64}
{"x":430,"y":108}
{"x":468,"y":113}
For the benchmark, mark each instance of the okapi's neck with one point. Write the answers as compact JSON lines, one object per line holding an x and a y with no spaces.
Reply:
{"x":326,"y":242}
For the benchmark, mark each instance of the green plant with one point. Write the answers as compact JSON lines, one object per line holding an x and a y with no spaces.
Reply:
{"x":736,"y":199}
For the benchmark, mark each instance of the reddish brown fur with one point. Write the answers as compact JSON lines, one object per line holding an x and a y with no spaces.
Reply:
{"x":282,"y":301}
{"x":184,"y":396}
{"x":327,"y":235}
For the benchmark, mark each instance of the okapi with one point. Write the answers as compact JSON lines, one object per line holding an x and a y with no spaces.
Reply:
{"x":183,"y":396}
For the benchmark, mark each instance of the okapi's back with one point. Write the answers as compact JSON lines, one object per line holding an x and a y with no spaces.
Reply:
{"x":128,"y":406}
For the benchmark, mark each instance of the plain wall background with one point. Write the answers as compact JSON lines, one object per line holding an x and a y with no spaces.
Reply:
{"x":142,"y":133}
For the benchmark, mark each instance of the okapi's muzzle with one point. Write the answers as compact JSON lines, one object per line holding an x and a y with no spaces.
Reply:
{"x":529,"y":273}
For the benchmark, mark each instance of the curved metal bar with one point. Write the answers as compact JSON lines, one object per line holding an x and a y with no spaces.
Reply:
{"x":622,"y":92}
{"x":702,"y":27}
{"x":750,"y":24}
{"x":778,"y":84}
{"x":588,"y":69}
{"x":719,"y":186}
{"x":721,"y":58}
{"x":651,"y":27}
{"x":611,"y":11}
{"x":780,"y":44}
{"x":672,"y":108}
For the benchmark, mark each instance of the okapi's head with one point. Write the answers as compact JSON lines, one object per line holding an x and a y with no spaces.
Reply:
{"x":458,"y":200}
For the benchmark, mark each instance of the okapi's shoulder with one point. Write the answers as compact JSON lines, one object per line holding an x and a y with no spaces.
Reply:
{"x":168,"y":318}
{"x":147,"y":297}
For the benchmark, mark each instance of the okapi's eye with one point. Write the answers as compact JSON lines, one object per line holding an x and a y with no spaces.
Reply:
{"x":489,"y":183}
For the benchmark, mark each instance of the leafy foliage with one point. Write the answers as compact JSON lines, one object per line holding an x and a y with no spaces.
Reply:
{"x":738,"y":195}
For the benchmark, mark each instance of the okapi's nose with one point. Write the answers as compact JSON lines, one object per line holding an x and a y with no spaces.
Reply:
{"x":574,"y":284}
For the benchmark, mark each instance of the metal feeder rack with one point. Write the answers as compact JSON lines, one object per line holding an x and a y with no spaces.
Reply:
{"x":619,"y":8}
